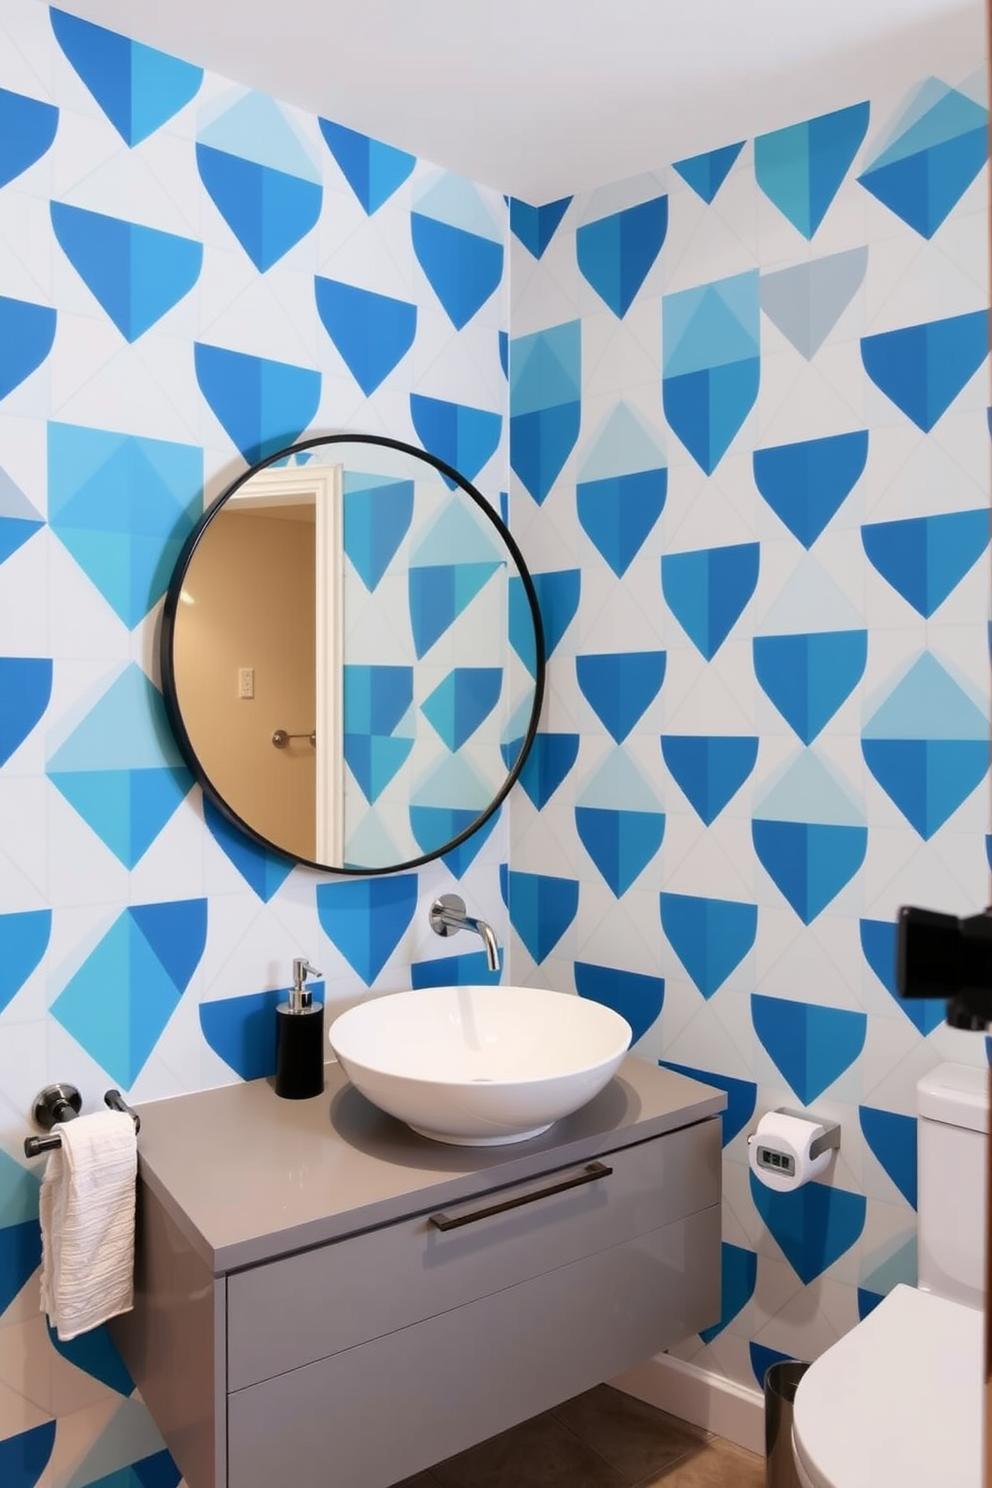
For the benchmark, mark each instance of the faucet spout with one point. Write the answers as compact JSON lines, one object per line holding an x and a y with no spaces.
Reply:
{"x":448,"y":916}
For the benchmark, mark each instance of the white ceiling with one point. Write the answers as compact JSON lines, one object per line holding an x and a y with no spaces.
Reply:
{"x":542,"y":98}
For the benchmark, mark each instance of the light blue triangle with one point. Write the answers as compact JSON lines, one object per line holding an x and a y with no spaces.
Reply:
{"x":810,"y":602}
{"x":458,"y":534}
{"x":619,"y":784}
{"x":937,"y":114}
{"x":927,"y":704}
{"x":809,"y":791}
{"x":256,"y":128}
{"x":14,"y":503}
{"x":624,"y":444}
{"x":454,"y":200}
{"x":713,"y":325}
{"x":453,"y":783}
{"x":370,"y":845}
{"x":125,"y":730}
{"x":545,"y":369}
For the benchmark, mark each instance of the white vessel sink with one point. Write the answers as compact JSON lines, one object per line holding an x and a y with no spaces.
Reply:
{"x":479,"y":1066}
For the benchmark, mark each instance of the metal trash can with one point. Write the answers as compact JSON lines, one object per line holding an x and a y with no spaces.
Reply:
{"x":781,"y":1382}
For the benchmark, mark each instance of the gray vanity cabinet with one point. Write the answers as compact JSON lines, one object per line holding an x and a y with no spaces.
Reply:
{"x":463,"y":1291}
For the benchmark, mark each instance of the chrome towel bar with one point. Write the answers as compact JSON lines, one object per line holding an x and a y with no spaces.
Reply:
{"x":63,"y":1103}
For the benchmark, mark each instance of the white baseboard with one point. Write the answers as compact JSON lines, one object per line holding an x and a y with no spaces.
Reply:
{"x":700,"y":1397}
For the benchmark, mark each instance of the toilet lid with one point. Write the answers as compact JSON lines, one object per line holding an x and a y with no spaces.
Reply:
{"x":897,"y":1401}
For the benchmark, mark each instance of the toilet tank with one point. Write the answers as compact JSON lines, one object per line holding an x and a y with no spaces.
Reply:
{"x":952,"y":1104}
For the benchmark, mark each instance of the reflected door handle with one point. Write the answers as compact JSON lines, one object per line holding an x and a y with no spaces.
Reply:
{"x":280,"y":738}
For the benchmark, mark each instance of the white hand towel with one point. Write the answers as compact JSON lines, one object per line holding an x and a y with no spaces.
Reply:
{"x":87,"y":1223}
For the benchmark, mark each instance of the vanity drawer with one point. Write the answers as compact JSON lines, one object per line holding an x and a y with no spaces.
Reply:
{"x":306,"y":1307}
{"x":379,"y":1412}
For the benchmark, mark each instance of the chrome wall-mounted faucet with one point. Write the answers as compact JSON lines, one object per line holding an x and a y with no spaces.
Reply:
{"x":448,"y":917}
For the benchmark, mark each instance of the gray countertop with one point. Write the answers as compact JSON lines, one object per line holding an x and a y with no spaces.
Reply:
{"x":248,"y":1176}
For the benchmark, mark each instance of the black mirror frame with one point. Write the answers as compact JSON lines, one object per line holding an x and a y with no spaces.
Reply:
{"x":167,"y":658}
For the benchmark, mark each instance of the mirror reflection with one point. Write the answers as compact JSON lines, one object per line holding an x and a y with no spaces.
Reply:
{"x":351,"y":656}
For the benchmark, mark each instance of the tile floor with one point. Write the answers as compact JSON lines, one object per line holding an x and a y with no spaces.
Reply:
{"x":602,"y":1439}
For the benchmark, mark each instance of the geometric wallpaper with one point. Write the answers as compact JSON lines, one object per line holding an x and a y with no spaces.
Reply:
{"x":750,"y":456}
{"x":191,"y":276}
{"x":744,"y":400}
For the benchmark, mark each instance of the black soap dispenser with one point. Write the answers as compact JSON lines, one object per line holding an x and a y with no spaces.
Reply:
{"x":300,"y":1039}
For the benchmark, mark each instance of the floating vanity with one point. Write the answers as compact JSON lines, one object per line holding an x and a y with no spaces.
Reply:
{"x":327,"y":1299}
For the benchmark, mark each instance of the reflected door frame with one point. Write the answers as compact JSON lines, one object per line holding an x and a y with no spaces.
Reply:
{"x":323,"y":484}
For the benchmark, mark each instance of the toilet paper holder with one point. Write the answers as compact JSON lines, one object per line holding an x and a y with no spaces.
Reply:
{"x":777,"y":1160}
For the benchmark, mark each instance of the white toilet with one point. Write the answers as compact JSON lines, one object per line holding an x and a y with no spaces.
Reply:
{"x":898,"y":1401}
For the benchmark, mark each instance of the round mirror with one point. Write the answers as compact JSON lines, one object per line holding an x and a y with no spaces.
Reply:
{"x":352,"y":655}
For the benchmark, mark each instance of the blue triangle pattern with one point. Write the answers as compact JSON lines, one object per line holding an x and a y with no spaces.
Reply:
{"x":20,"y":1257}
{"x":262,"y":405}
{"x":811,"y":1046}
{"x":376,"y":697}
{"x":123,"y":506}
{"x":462,"y":268}
{"x":892,"y":1138}
{"x":374,"y":171}
{"x":927,"y":779}
{"x":25,"y":690}
{"x":809,"y":862}
{"x":96,"y":1355}
{"x":707,"y":591}
{"x":435,"y":826}
{"x":709,"y":769}
{"x":460,"y":858}
{"x":878,"y":942}
{"x":617,"y":513}
{"x":242,"y":1031}
{"x":27,"y":332}
{"x":636,"y":997}
{"x":558,"y":594}
{"x":128,"y":800}
{"x":708,"y":408}
{"x":265,"y":872}
{"x":808,"y":677}
{"x":939,"y":147}
{"x":461,"y":703}
{"x":620,"y":843}
{"x":24,"y":940}
{"x":619,"y":686}
{"x":376,"y":520}
{"x":269,"y":211}
{"x":16,"y":526}
{"x":615,"y":253}
{"x":710,"y":936}
{"x":27,"y":129}
{"x":545,"y":404}
{"x":176,"y":932}
{"x":742,"y":1096}
{"x":867,"y":1302}
{"x":470,"y":970}
{"x":549,"y":761}
{"x":137,"y":274}
{"x":24,"y":1457}
{"x":738,"y":1274}
{"x":800,"y":169}
{"x":119,"y":1001}
{"x":541,"y":909}
{"x":925,"y":558}
{"x":923,"y":368}
{"x":711,"y":363}
{"x":536,"y":226}
{"x":806,"y":484}
{"x":521,"y":623}
{"x":136,"y":86}
{"x":707,"y":173}
{"x":365,"y":919}
{"x":438,"y":593}
{"x":540,"y":443}
{"x":374,"y":760}
{"x":814,"y":1225}
{"x":373,"y":332}
{"x":463,"y":437}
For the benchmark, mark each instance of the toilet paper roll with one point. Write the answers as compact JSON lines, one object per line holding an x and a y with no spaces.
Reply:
{"x":779,"y":1151}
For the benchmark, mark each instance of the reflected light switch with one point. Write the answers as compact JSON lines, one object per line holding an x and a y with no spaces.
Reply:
{"x":246,"y":682}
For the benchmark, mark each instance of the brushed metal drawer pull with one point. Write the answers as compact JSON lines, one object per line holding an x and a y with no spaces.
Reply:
{"x":589,"y":1174}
